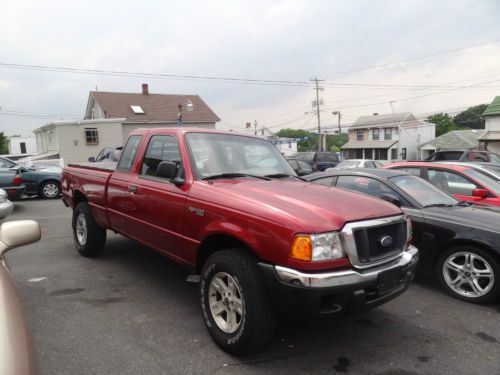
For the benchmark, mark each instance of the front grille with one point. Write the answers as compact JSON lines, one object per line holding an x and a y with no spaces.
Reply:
{"x":369,"y":241}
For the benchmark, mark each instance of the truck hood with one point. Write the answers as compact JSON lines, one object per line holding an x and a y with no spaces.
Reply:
{"x":306,"y":206}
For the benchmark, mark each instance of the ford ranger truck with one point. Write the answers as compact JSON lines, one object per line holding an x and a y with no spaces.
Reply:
{"x":231,"y":209}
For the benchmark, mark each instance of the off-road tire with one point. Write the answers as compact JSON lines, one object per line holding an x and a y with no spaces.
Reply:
{"x":258,"y":320}
{"x":482,"y":257}
{"x":95,"y":235}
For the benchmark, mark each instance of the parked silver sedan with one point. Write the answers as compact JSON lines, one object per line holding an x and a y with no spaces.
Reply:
{"x":17,"y":353}
{"x":6,"y":206}
{"x":357,"y":163}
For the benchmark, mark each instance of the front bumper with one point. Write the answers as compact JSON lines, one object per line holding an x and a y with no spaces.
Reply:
{"x":5,"y":208}
{"x":351,"y":291}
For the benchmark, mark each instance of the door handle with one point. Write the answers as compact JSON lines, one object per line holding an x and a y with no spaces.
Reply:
{"x":132,"y":189}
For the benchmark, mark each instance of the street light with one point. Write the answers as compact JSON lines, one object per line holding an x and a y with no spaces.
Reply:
{"x":190,"y":108}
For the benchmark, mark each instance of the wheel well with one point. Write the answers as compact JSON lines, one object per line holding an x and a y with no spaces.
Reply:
{"x":78,"y":197}
{"x":217,"y":242}
{"x":479,"y":245}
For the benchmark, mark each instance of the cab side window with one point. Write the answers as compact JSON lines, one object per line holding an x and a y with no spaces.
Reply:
{"x":129,"y":152}
{"x":161,"y":148}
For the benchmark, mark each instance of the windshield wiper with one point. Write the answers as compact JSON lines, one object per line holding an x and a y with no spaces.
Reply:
{"x":234,"y":175}
{"x":282,"y":175}
{"x":439,"y":205}
{"x":464,"y":203}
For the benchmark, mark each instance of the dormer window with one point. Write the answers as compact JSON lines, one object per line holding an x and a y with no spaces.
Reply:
{"x":137,"y":109}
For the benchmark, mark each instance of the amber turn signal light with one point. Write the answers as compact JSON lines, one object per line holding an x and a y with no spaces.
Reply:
{"x":302,"y":248}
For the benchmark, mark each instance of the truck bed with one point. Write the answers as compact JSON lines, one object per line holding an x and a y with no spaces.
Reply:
{"x":105,"y":166}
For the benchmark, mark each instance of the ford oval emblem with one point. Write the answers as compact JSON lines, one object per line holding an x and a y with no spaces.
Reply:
{"x":386,"y":241}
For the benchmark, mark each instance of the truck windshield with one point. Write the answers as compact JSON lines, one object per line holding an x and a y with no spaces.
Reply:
{"x":215,"y":154}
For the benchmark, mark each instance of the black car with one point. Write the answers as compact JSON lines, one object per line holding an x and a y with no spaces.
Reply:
{"x":300,"y":167}
{"x":457,"y":242}
{"x":319,"y":161}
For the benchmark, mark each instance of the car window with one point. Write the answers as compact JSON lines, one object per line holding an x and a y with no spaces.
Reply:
{"x":412,"y":170}
{"x":448,"y":155}
{"x":451,"y":182}
{"x":326,"y":157}
{"x":327,"y":181}
{"x":488,"y":182}
{"x":303,"y":165}
{"x":293,"y":164}
{"x":160,"y":148}
{"x":129,"y":152}
{"x":370,"y":164}
{"x":422,"y":191}
{"x":365,"y":185}
{"x":4,"y":163}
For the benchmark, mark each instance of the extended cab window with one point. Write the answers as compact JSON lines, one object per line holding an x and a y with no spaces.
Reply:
{"x":129,"y":152}
{"x":160,"y":148}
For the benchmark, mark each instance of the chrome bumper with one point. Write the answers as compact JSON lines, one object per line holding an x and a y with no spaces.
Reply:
{"x":348,"y":277}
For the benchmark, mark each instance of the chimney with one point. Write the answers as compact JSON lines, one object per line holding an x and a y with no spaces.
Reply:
{"x":145,"y":89}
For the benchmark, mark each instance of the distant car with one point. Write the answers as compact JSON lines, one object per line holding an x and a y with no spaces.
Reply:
{"x":6,"y":206}
{"x":467,"y":155}
{"x":300,"y":167}
{"x":319,"y":161}
{"x":19,"y":180}
{"x":358,"y":163}
{"x":463,"y":182}
{"x":19,"y":354}
{"x":459,"y":243}
{"x":107,"y":154}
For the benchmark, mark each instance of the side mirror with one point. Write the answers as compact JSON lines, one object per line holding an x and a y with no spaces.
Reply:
{"x":391,"y":199}
{"x":480,"y":193}
{"x":18,"y":233}
{"x":92,"y":159}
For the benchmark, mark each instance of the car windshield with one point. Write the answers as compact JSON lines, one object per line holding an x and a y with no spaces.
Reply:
{"x":488,"y":182}
{"x":422,"y":191}
{"x":494,"y":158}
{"x":217,"y":154}
{"x":348,"y":164}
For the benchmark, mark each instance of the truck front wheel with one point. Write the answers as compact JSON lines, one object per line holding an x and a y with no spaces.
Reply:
{"x":88,"y":236}
{"x":234,"y":303}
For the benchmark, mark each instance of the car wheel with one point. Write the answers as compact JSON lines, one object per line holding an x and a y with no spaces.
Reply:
{"x":234,"y":303}
{"x":50,"y":190}
{"x":89,"y":237}
{"x":469,"y":273}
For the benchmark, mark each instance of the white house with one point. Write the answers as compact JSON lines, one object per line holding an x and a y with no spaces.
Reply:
{"x":22,"y":145}
{"x":111,"y":116}
{"x":388,"y":137}
{"x":491,"y":136}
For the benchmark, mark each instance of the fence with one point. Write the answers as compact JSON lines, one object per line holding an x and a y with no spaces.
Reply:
{"x":28,"y":163}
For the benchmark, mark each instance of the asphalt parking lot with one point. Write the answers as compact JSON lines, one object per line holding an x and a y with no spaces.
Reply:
{"x":131,"y":311}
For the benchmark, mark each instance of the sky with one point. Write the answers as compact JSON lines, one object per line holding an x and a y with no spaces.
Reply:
{"x":406,"y":46}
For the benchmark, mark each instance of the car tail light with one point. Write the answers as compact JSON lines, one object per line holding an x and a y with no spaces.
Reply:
{"x":17,"y":180}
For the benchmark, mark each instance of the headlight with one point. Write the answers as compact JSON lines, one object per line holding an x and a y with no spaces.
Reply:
{"x":318,"y":247}
{"x":3,"y":196}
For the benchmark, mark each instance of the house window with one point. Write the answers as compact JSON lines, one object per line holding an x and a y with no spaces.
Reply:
{"x":394,"y":153}
{"x":375,"y":134}
{"x":359,"y":135}
{"x":383,"y":154}
{"x":387,"y":133}
{"x":91,"y":136}
{"x":23,"y":147}
{"x":403,"y":153}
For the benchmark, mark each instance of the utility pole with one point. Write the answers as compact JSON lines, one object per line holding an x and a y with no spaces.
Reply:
{"x":255,"y":124}
{"x":318,"y":88}
{"x":337,"y":112}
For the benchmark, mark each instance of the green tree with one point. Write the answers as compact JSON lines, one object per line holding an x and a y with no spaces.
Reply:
{"x":308,"y":141}
{"x":337,"y":140}
{"x":334,"y":149}
{"x":4,"y":144}
{"x":444,"y":123}
{"x":471,"y":117}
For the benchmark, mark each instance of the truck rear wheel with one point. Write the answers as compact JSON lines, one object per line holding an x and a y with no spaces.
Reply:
{"x":88,"y":236}
{"x":234,"y":303}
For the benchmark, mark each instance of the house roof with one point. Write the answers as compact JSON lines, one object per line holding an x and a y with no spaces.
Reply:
{"x":156,"y":107}
{"x":368,"y":144}
{"x":455,"y":139}
{"x":392,"y":119}
{"x":493,"y":108}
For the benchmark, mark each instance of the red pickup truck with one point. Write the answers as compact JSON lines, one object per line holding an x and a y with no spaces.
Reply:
{"x":263,"y":242}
